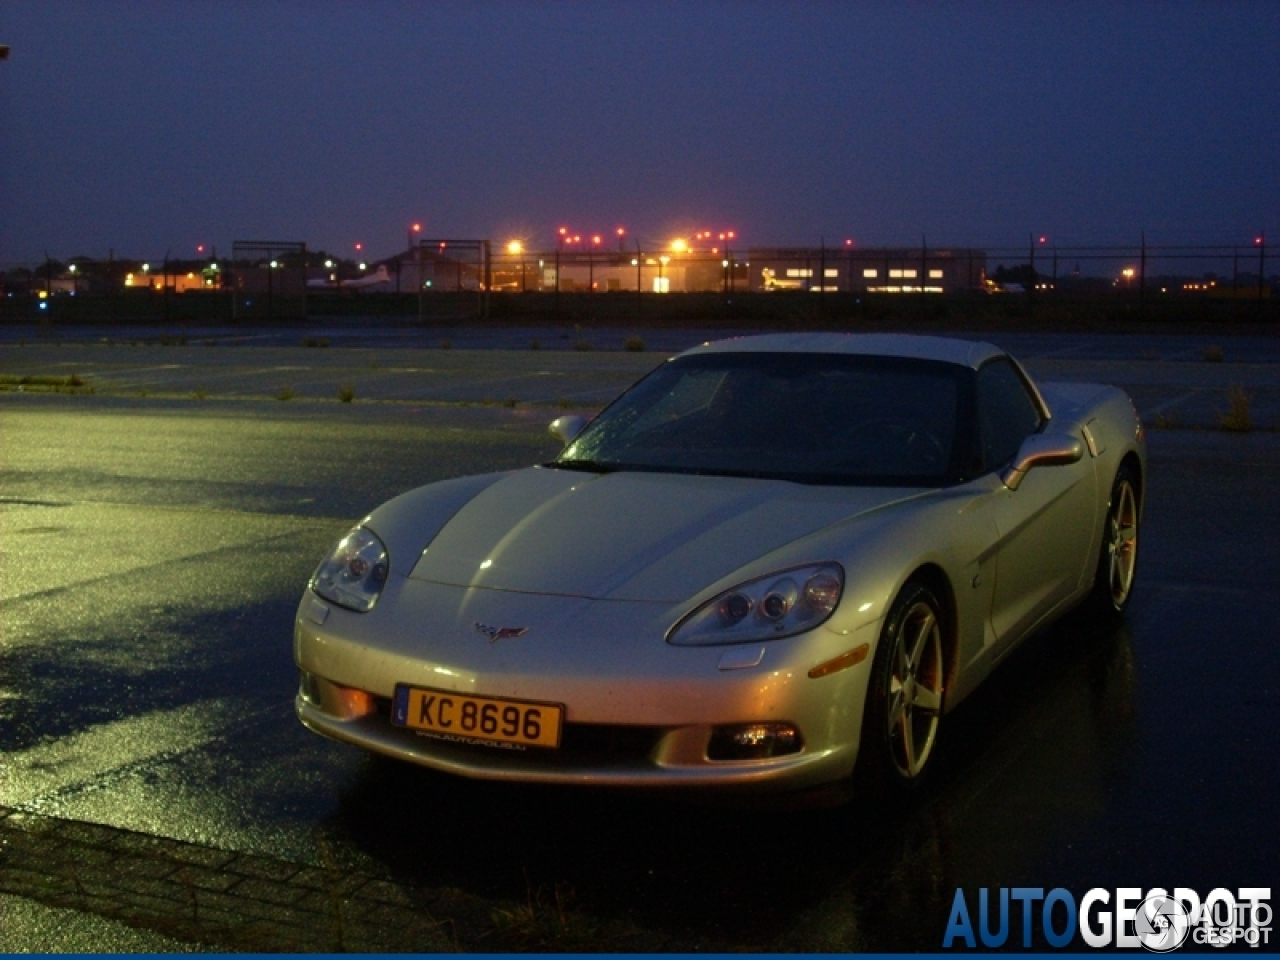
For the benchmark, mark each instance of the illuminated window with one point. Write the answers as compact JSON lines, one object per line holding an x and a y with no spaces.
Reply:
{"x":896,"y":273}
{"x":908,"y":273}
{"x":799,"y":272}
{"x":935,"y":274}
{"x":830,"y":272}
{"x":871,"y":274}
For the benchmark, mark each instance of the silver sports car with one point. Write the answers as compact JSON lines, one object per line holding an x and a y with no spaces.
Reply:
{"x":771,"y":559}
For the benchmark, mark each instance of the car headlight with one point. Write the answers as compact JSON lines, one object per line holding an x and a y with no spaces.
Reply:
{"x":767,"y":608}
{"x":355,"y":573}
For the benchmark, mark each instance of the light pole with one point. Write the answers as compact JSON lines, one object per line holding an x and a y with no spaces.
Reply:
{"x":591,"y":263}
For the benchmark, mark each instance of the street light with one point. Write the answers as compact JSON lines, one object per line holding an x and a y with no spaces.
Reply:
{"x":516,"y":249}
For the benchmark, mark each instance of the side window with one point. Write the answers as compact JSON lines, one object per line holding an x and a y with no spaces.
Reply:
{"x":1007,"y":414}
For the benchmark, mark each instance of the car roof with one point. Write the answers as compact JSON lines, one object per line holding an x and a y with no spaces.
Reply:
{"x":967,"y":353}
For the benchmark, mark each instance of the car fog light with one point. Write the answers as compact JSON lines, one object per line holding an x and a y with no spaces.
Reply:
{"x":754,"y":741}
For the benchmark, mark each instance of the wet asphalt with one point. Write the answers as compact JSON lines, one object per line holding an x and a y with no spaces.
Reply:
{"x":157,"y":533}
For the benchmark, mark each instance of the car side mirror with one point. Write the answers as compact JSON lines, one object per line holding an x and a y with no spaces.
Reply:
{"x":567,"y":427}
{"x":1041,"y":450}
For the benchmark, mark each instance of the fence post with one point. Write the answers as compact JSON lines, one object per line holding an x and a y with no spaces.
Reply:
{"x":1142,"y":276}
{"x":1262,"y":261}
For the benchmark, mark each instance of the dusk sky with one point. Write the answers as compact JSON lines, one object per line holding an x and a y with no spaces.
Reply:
{"x":142,"y":127}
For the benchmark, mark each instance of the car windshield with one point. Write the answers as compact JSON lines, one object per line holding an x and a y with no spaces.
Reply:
{"x":803,"y":417}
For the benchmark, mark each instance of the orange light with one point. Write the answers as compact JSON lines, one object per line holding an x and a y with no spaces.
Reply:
{"x":417,"y":227}
{"x":842,"y":662}
{"x":563,"y":231}
{"x":621,"y":231}
{"x":596,"y":238}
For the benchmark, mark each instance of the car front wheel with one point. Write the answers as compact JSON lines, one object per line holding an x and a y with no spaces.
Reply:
{"x":906,"y":693}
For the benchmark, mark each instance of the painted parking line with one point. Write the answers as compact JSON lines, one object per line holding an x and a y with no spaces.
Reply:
{"x":1170,"y":404}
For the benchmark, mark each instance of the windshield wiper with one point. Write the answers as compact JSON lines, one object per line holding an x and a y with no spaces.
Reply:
{"x":585,"y":466}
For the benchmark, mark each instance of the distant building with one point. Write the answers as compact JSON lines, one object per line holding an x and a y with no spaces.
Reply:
{"x":884,"y":270}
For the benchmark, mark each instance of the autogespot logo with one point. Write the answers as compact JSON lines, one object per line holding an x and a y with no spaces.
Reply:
{"x":1156,"y":920}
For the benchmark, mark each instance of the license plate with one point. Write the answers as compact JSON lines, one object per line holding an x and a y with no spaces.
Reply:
{"x":481,"y":718}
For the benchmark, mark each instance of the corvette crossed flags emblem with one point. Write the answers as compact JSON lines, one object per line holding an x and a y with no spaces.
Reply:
{"x":499,"y":633}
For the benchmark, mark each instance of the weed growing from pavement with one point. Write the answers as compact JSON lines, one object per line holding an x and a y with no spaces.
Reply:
{"x":285,"y":393}
{"x":1214,"y":354}
{"x":346,"y":393}
{"x":546,"y":920}
{"x":44,"y":383}
{"x":1237,"y":418}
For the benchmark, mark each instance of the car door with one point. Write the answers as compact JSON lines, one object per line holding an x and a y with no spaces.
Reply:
{"x":1045,"y":527}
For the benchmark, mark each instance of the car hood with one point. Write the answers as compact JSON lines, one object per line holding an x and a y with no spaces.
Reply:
{"x":629,"y":536}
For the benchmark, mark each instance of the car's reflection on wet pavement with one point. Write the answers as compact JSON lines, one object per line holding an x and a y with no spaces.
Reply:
{"x":1029,"y":762}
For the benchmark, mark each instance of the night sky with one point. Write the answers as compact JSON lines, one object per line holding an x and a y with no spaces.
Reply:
{"x":142,"y":127}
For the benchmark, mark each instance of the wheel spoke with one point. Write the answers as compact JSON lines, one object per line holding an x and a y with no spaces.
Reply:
{"x":897,"y":705}
{"x":903,"y":668}
{"x":926,"y":700}
{"x":922,"y":632}
{"x":908,"y":744}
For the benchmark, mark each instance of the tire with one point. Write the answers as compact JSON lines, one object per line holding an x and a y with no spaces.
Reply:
{"x":1118,"y":558}
{"x":904,"y":705}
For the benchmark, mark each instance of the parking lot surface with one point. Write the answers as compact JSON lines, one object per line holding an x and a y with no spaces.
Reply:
{"x":158,"y":794}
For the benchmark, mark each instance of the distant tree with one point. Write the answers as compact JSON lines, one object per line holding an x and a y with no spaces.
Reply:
{"x":1023,"y":274}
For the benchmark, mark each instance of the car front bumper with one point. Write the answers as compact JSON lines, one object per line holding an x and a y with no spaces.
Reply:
{"x":637,"y":710}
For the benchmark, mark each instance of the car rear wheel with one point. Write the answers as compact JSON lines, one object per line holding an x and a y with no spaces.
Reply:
{"x":906,"y":693}
{"x":1118,"y":559}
